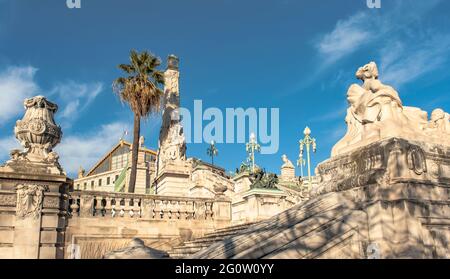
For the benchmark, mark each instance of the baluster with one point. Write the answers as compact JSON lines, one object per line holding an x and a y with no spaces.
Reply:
{"x":169,"y":209}
{"x":127,"y":207}
{"x":131,"y":203}
{"x":190,"y":210}
{"x":182,"y":208}
{"x":209,"y":211}
{"x":122,"y":207}
{"x":114,"y":203}
{"x":99,"y":206}
{"x":108,"y":206}
{"x":152,"y":205}
{"x":137,"y":208}
{"x":157,"y":210}
{"x":177,"y":210}
{"x":74,"y":207}
{"x":163,"y":208}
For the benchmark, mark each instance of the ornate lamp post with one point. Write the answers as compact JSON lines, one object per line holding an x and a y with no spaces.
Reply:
{"x":301,"y":163}
{"x":212,"y":151}
{"x":251,"y":148}
{"x":309,"y":142}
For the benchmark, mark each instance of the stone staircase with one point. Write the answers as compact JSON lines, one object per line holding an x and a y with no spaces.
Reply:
{"x":191,"y":247}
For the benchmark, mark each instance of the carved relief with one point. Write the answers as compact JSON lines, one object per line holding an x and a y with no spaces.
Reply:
{"x":8,"y":200}
{"x":416,"y":160}
{"x":29,"y":200}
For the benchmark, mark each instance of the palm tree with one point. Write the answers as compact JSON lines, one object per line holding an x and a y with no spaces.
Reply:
{"x":140,"y":90}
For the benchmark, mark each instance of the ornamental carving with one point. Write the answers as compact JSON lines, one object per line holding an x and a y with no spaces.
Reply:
{"x":29,"y":200}
{"x":38,"y":134}
{"x":416,"y":160}
{"x":7,"y":200}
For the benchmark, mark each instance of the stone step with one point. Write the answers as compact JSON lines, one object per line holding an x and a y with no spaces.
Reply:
{"x":191,"y":247}
{"x":179,"y":255}
{"x":232,"y":228}
{"x":217,"y":235}
{"x":206,"y":240}
{"x":187,"y":250}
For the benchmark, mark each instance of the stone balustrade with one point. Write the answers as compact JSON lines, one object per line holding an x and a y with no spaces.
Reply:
{"x":153,"y":207}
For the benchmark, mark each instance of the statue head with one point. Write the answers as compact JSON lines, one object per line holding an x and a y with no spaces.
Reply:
{"x":368,"y":71}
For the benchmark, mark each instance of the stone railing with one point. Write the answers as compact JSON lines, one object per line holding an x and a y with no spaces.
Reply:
{"x":153,"y":207}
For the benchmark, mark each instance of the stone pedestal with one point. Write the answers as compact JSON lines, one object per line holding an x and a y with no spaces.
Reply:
{"x":258,"y":204}
{"x":34,"y":188}
{"x":173,"y":179}
{"x":35,"y":216}
{"x":222,"y":208}
{"x":288,"y":174}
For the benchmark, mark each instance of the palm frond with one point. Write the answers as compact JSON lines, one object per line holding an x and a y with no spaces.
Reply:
{"x":140,"y":90}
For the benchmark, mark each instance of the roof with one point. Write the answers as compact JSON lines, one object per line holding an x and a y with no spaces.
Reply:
{"x":118,"y":145}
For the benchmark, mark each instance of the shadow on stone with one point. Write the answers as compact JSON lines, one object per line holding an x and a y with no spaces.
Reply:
{"x":136,"y":250}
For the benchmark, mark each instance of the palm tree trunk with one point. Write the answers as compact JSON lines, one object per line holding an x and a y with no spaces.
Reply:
{"x":134,"y":152}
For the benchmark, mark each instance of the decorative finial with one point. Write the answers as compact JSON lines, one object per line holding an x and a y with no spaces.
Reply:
{"x":307,"y":131}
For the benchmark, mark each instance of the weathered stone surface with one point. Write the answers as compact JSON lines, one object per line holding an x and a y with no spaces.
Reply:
{"x":137,"y":250}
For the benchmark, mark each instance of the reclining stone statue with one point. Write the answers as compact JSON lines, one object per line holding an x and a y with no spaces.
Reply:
{"x":376,"y":112}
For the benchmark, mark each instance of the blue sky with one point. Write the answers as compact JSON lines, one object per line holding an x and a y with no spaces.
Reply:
{"x":298,"y":56}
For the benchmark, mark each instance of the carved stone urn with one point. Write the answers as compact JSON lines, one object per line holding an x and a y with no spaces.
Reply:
{"x":38,"y":134}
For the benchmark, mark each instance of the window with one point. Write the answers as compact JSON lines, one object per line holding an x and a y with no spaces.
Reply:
{"x":100,"y":182}
{"x":117,"y":176}
{"x":92,"y":184}
{"x":108,"y":180}
{"x":84,"y":186}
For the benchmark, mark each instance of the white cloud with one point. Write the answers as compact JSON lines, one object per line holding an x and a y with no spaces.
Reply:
{"x":365,"y":27}
{"x":347,"y":36}
{"x":6,"y":145}
{"x":85,"y":150}
{"x":402,"y":63}
{"x":16,"y":84}
{"x":75,"y":98}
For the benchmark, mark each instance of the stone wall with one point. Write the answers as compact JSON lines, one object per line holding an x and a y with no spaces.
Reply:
{"x":32,"y":215}
{"x":101,"y":222}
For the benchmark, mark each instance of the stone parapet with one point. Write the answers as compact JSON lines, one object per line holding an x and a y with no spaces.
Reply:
{"x":102,"y":221}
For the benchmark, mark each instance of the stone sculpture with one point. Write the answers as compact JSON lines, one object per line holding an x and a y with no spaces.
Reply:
{"x":287,"y":170}
{"x":38,"y":134}
{"x":376,"y":112}
{"x":287,"y":162}
{"x":261,"y":179}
